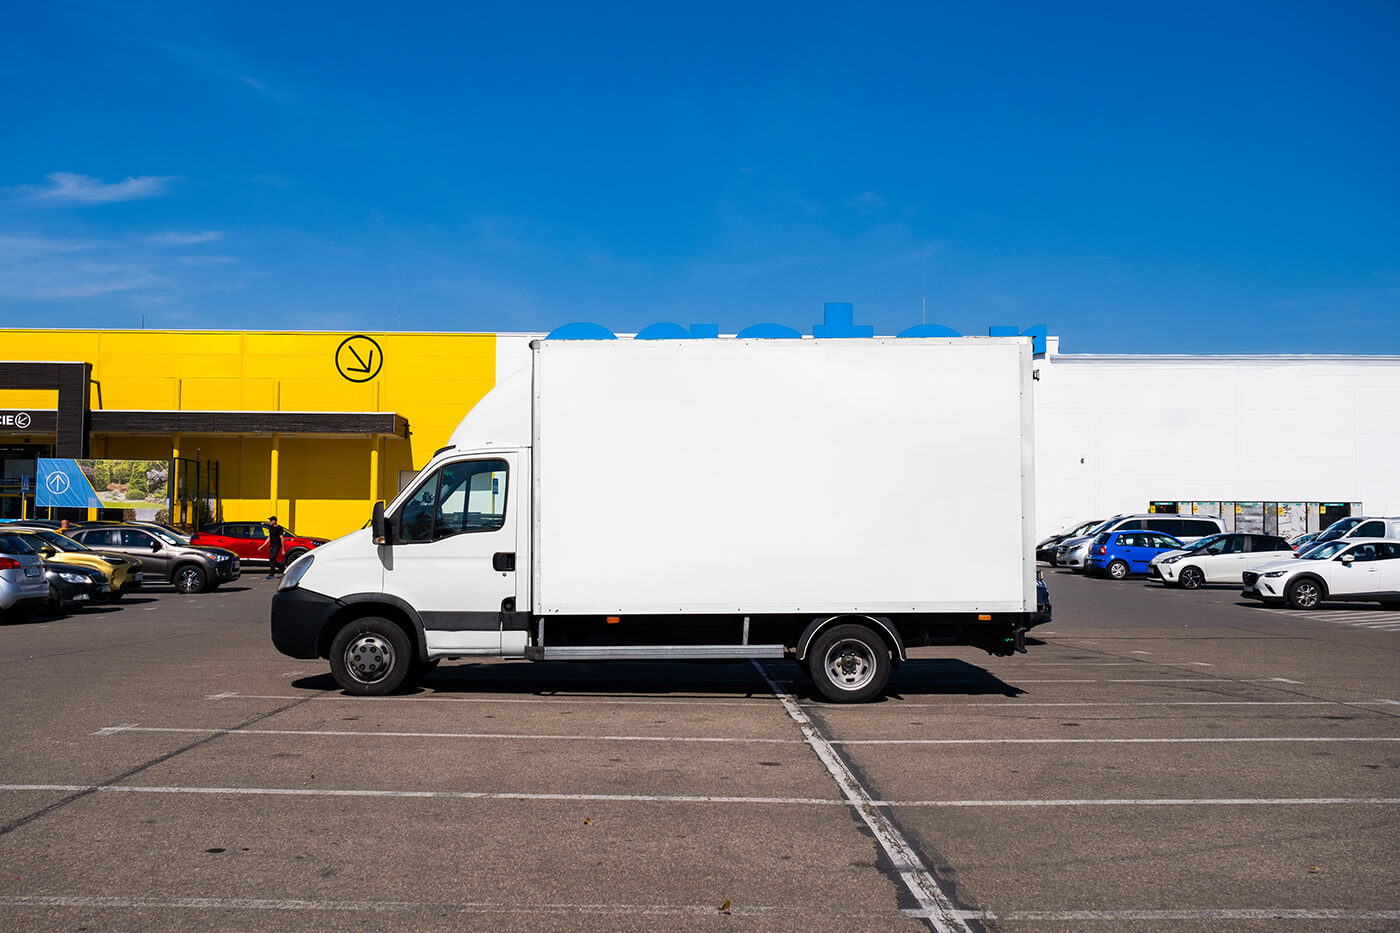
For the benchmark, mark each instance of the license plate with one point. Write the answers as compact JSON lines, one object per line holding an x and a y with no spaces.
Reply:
{"x":104,"y":588}
{"x":80,"y":597}
{"x":136,"y":578}
{"x":33,"y":571}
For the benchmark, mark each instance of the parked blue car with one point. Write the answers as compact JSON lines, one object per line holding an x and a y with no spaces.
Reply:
{"x":1119,"y":553}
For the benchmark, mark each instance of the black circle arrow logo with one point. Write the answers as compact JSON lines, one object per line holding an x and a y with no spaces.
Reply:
{"x":359,"y":358}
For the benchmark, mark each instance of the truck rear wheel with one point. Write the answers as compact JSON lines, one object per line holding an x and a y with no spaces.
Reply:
{"x":371,"y":657}
{"x":849,"y":663}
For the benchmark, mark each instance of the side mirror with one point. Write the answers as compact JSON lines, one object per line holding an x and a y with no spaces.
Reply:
{"x":155,"y":545}
{"x":379,"y":527}
{"x":47,"y":551}
{"x":1346,"y":559}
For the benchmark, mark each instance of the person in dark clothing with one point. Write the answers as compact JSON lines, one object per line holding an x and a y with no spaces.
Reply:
{"x":274,"y":546}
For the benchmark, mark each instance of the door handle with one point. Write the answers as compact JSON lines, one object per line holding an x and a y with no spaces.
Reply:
{"x":503,"y":561}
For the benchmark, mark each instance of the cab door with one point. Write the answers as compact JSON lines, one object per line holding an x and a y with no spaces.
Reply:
{"x":453,"y":556}
{"x":1356,"y":571}
{"x":1227,"y":565}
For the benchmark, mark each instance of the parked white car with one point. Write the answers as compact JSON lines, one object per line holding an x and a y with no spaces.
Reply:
{"x":1217,"y":559}
{"x":1366,"y":569}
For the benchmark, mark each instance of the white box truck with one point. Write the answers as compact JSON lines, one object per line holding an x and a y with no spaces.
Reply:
{"x":833,"y":501}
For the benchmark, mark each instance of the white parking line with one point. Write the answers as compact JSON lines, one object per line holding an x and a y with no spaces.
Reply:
{"x":1118,"y":916}
{"x":1213,"y":740}
{"x":763,"y":699}
{"x":867,"y":802}
{"x":934,"y":905}
{"x":286,"y":904}
{"x":512,"y":736}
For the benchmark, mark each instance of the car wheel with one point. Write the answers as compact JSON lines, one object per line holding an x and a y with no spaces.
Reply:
{"x":371,"y":657}
{"x":1304,"y":594}
{"x":849,"y":663}
{"x":189,"y":579}
{"x":1191,"y":578}
{"x":292,"y":557}
{"x":1118,"y":569}
{"x":117,"y":595}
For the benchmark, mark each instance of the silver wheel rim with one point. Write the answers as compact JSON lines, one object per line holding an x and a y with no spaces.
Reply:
{"x":1117,"y":571}
{"x":849,"y":664}
{"x":1190,"y":578}
{"x":1306,"y":595}
{"x":368,"y":658}
{"x":187,"y":581}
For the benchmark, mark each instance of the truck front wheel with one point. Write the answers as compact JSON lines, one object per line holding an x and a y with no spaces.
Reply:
{"x":371,"y":657}
{"x":849,"y":663}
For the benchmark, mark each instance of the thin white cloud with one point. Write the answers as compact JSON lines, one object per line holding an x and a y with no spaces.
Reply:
{"x":41,"y":268}
{"x":176,"y":238}
{"x":72,"y":188}
{"x":867,"y":202}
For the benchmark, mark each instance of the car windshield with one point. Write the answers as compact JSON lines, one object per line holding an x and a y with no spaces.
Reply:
{"x":61,"y":542}
{"x":1324,"y":549}
{"x":14,"y":544}
{"x":1083,"y":529}
{"x":1201,"y":542}
{"x":1337,"y":529}
{"x":165,"y":534}
{"x":1102,"y":526}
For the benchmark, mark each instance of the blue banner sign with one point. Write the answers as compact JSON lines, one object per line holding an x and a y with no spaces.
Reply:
{"x":62,"y":484}
{"x":838,"y":320}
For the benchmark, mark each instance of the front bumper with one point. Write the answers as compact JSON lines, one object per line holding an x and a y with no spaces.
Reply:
{"x":298,"y":618}
{"x":80,"y":594}
{"x":226,"y":571}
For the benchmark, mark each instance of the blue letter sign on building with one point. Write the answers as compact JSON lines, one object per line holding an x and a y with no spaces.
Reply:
{"x":838,"y":320}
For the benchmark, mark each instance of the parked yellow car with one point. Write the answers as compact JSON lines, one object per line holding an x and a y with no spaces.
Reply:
{"x":61,"y":549}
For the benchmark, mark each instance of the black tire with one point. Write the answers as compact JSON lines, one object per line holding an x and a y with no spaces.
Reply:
{"x":189,"y":578}
{"x":849,"y":663}
{"x":1391,"y":606}
{"x":117,"y":596}
{"x":291,"y":557}
{"x":1118,"y":570}
{"x":1304,"y":594}
{"x":55,"y":604}
{"x":371,"y":657}
{"x":1191,"y":578}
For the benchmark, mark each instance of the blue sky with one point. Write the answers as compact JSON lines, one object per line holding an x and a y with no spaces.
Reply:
{"x":1181,"y":178}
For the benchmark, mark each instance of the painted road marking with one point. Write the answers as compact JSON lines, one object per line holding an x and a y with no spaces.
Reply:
{"x":1381,"y":621}
{"x":934,"y":905}
{"x":488,"y":907}
{"x":1282,"y":913}
{"x":112,"y":730}
{"x":765,"y":700}
{"x":694,"y":798}
{"x":1214,"y":740}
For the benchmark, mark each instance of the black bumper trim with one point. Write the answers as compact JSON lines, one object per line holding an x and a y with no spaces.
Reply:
{"x":298,"y":617}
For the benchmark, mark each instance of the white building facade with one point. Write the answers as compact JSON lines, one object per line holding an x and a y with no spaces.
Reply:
{"x":1280,"y":444}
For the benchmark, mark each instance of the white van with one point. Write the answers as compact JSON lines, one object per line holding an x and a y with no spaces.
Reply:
{"x":1361,"y":527}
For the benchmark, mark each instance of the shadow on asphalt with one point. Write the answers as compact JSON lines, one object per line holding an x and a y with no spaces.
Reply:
{"x":917,"y":677}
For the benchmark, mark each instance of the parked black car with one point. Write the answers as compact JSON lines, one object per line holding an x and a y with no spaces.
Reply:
{"x":71,"y":586}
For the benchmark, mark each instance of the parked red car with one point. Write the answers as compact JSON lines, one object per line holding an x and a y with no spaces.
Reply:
{"x":249,"y":540}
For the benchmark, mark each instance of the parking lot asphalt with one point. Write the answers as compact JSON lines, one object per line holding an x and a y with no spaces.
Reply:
{"x":1160,"y":759}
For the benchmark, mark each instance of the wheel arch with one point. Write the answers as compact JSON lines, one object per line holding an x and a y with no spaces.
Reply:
{"x":359,"y":605}
{"x":882,"y":627}
{"x":1309,"y":575}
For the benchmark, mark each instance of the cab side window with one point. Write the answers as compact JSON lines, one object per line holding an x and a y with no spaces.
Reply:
{"x":1370,"y":530}
{"x":460,"y":498}
{"x":1389,"y":551}
{"x":1363,"y":552}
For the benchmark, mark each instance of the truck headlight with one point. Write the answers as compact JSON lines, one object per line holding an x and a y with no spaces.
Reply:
{"x":294,"y":573}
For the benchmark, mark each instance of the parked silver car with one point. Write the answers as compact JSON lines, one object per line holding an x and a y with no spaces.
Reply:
{"x":1074,"y":552}
{"x":23,"y":587}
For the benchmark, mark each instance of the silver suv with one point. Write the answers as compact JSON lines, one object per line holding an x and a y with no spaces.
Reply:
{"x":23,"y":587}
{"x":165,"y":555}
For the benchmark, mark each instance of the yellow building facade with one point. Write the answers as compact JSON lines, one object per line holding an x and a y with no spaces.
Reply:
{"x":310,"y":426}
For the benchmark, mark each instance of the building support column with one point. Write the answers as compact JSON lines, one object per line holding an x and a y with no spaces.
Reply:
{"x":272,"y":477}
{"x":373,"y":470}
{"x":176,"y":506}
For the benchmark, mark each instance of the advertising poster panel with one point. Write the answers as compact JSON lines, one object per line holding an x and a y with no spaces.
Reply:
{"x":141,"y":485}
